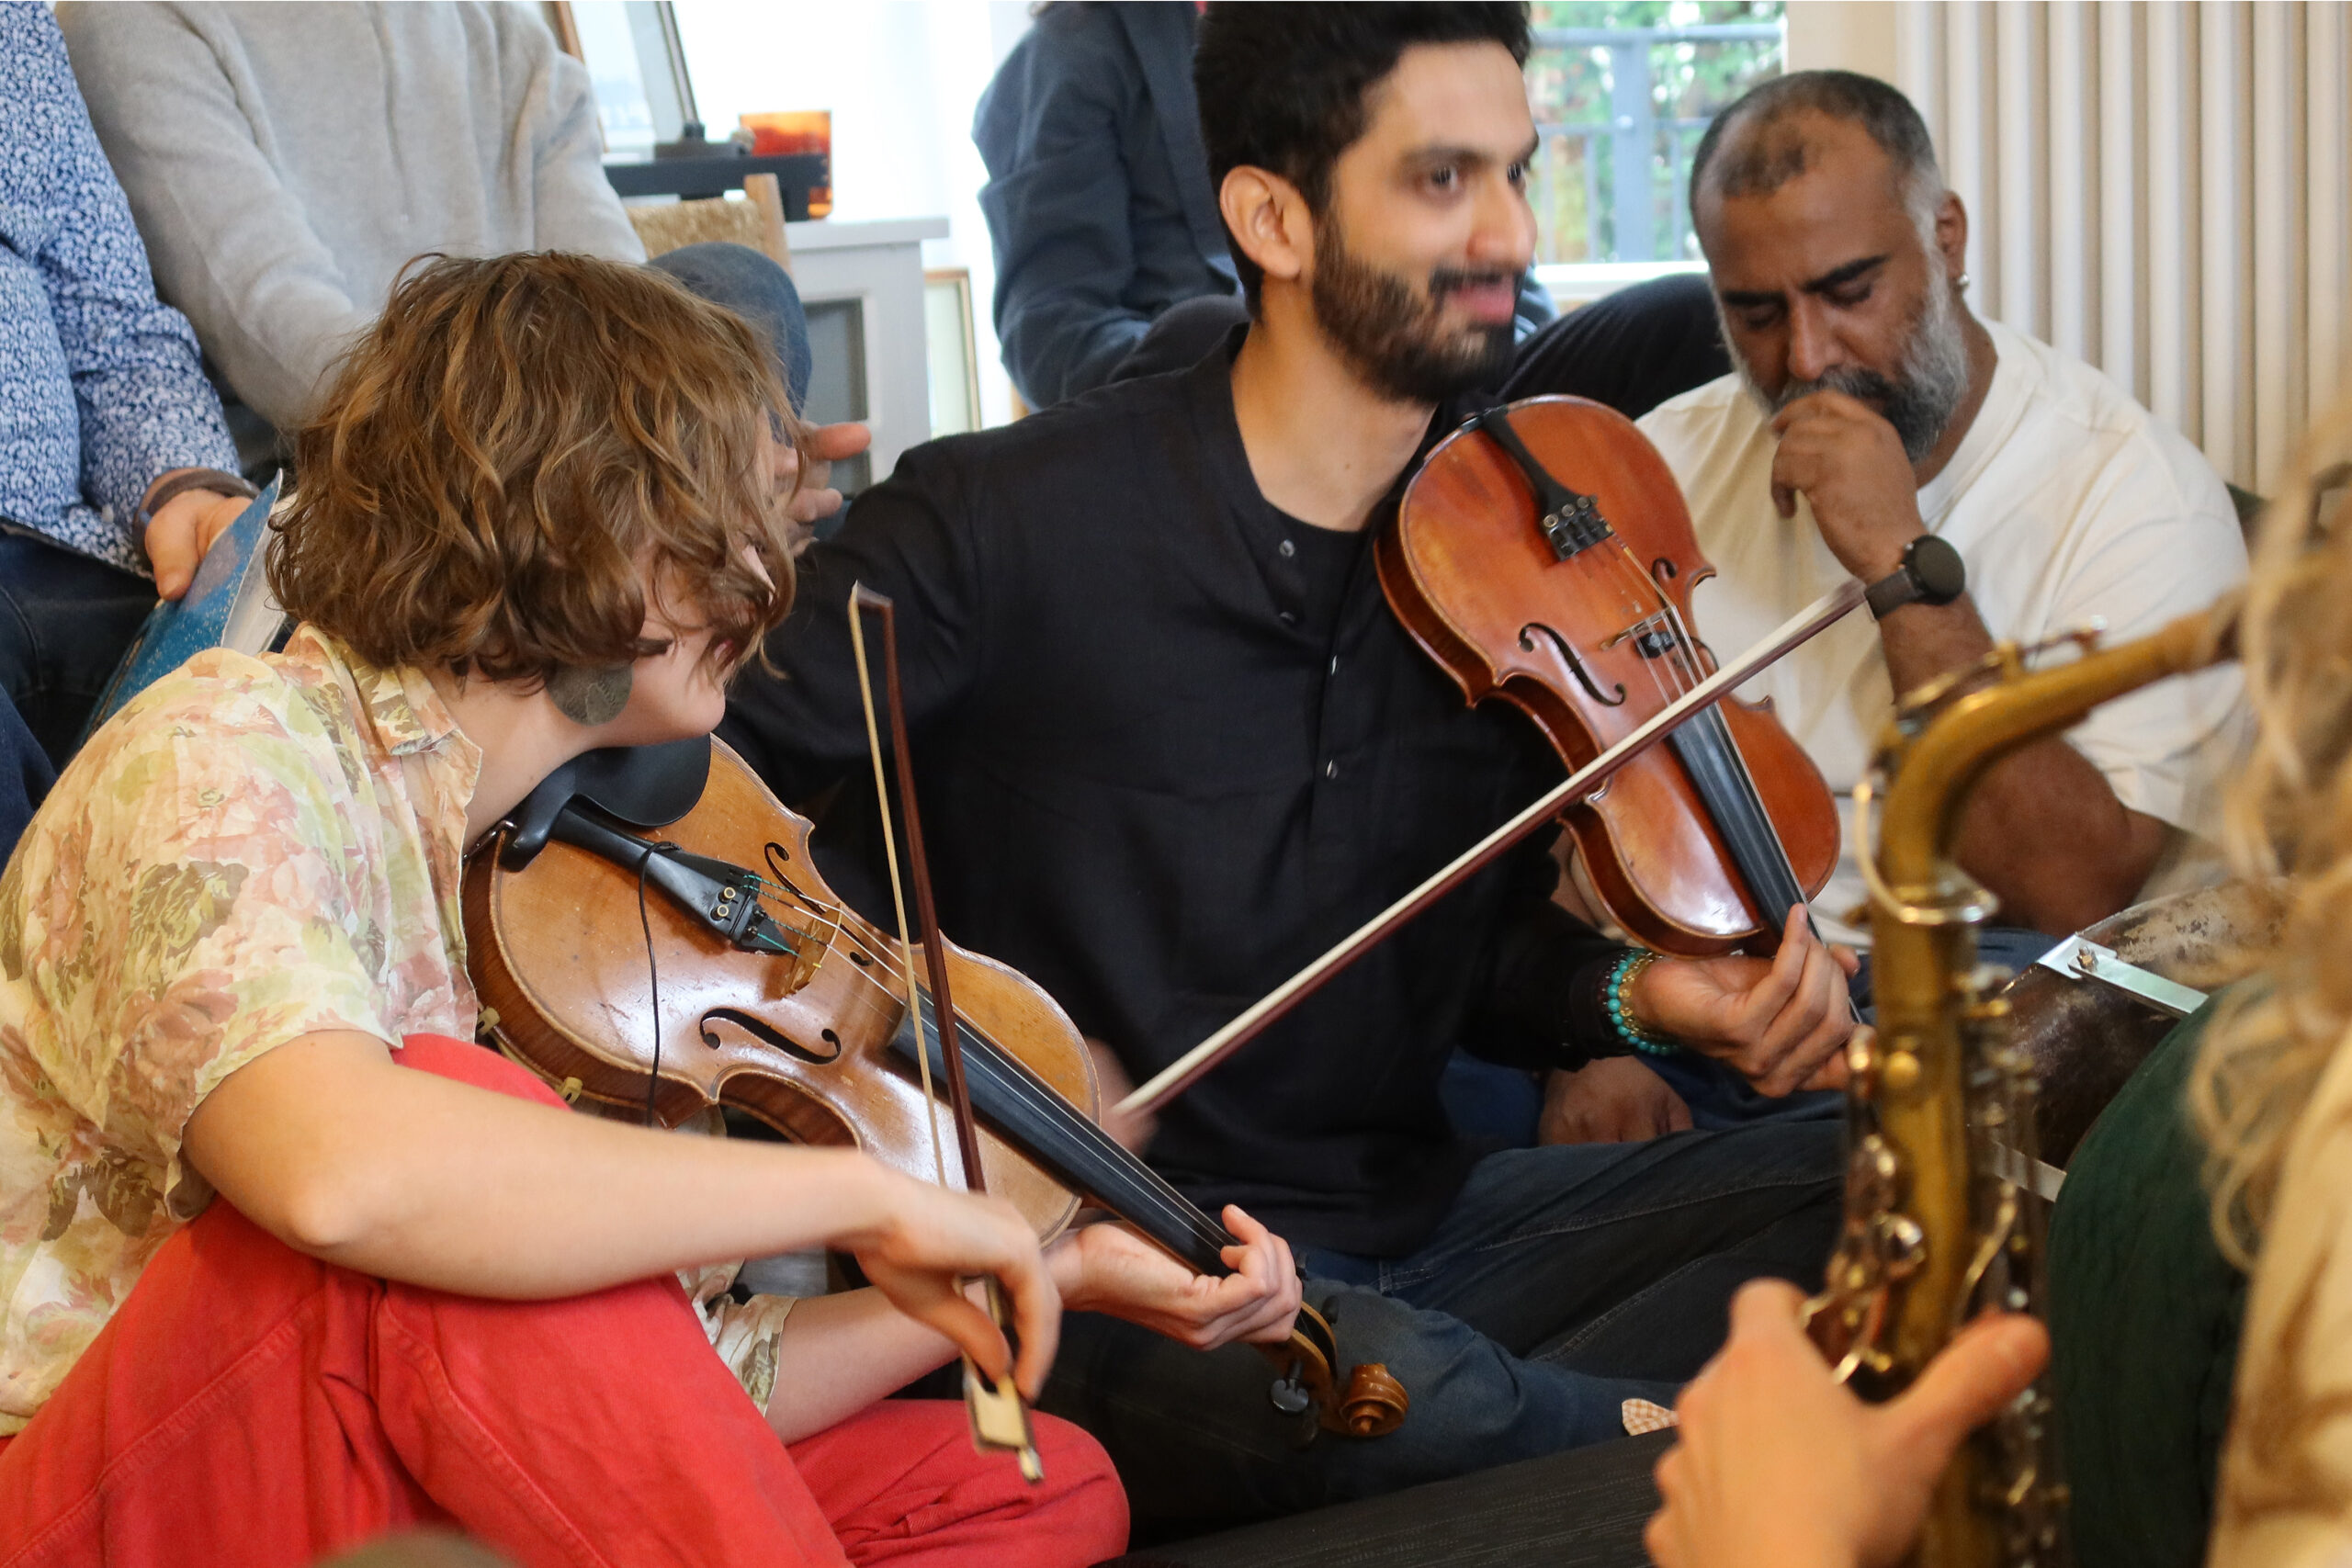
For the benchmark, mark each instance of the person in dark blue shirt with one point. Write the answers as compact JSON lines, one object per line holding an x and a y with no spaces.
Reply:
{"x":1098,"y":200}
{"x":1111,"y":258}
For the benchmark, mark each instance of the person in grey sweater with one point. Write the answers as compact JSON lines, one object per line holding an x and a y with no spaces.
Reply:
{"x":284,"y":161}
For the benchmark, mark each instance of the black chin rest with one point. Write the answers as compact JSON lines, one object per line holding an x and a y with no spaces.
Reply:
{"x":645,"y":786}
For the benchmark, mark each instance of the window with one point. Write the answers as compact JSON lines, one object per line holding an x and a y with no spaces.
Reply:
{"x":1622,"y":90}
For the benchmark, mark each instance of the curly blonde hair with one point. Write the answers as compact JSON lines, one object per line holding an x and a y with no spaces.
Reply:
{"x":2289,"y":813}
{"x":515,"y":449}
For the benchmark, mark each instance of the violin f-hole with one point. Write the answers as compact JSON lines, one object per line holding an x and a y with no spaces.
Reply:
{"x":1575,"y":664}
{"x":767,"y":1036}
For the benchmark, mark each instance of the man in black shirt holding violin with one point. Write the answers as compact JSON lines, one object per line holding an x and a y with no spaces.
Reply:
{"x":1172,"y":743}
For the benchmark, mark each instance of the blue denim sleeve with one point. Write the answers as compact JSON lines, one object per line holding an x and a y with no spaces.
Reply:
{"x":144,"y":404}
{"x":1056,"y":205}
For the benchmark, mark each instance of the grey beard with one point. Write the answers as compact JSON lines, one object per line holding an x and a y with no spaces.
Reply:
{"x":1925,"y":391}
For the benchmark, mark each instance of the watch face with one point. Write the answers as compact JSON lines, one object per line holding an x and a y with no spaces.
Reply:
{"x":1937,"y":569}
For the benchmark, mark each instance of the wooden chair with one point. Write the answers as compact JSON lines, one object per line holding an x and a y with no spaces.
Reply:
{"x":757,"y":222}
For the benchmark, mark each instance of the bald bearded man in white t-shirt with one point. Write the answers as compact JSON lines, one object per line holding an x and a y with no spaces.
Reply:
{"x":1867,"y":407}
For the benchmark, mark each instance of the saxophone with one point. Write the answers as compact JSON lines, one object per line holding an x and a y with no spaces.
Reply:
{"x":1939,"y":1224}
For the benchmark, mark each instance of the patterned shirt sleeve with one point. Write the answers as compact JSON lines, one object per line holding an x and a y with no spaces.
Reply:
{"x":744,"y":1333}
{"x":143,"y":402}
{"x":208,"y":896}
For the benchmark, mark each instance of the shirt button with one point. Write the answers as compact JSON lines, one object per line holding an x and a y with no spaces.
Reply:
{"x":1286,"y":549}
{"x":1335,"y":664}
{"x":1331,"y":769}
{"x":1290,"y":618}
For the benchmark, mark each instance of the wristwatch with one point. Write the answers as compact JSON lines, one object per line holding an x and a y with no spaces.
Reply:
{"x":1931,"y":573}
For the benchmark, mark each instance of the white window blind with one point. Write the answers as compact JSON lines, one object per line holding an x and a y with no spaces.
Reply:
{"x":2162,"y":189}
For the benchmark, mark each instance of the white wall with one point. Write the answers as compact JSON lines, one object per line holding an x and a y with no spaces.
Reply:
{"x":902,"y":78}
{"x":1842,"y":35}
{"x":2161,"y":190}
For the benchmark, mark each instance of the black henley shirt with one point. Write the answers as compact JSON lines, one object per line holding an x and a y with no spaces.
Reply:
{"x":1170,"y":745}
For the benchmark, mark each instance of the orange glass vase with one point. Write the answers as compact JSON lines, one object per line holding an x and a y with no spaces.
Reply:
{"x":787,"y":132}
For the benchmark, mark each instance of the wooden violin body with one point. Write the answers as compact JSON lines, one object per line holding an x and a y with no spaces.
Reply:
{"x":1579,"y":614}
{"x":817,"y":1040}
{"x":559,"y":957}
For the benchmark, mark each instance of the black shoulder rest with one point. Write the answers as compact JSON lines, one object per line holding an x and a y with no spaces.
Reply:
{"x":645,"y":786}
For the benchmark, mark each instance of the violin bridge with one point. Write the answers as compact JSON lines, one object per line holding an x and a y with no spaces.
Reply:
{"x":808,"y":954}
{"x":1653,"y":638}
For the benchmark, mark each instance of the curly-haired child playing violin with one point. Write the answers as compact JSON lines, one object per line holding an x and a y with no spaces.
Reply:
{"x":287,"y":1262}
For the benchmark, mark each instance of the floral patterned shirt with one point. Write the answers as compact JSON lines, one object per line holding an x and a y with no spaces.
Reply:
{"x":253,"y":849}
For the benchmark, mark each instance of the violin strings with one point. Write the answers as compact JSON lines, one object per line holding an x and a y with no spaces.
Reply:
{"x":654,"y":977}
{"x":1686,"y":670}
{"x":877,"y":957}
{"x":1150,"y":1195}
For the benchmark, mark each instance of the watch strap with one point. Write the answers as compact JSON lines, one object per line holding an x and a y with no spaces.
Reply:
{"x":1932,"y":571}
{"x":1890,"y":592}
{"x":213,"y":480}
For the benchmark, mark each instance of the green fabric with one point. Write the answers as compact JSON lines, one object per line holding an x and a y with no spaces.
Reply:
{"x":2144,"y":1314}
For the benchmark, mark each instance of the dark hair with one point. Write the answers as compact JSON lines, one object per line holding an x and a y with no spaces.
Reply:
{"x":520,"y":446}
{"x":1282,"y":86}
{"x":1758,"y":165}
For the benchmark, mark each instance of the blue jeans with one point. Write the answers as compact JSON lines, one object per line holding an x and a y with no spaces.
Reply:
{"x":750,"y":284}
{"x":1562,"y":1281}
{"x":66,"y":619}
{"x":24,"y":777}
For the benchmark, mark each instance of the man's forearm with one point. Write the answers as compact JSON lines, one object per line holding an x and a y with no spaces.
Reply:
{"x":1540,"y":1005}
{"x":2042,"y":829}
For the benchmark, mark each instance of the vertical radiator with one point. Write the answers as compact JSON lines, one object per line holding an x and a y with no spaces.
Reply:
{"x":2164,"y":189}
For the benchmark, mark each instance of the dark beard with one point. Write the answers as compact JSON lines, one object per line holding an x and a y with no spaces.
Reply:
{"x":1391,"y":335}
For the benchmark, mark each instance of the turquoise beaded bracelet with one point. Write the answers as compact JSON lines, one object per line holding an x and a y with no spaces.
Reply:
{"x":1614,"y":995}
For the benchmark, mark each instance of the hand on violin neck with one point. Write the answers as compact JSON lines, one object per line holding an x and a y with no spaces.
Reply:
{"x":1110,"y":1269}
{"x":924,"y":1241}
{"x":1848,"y":462}
{"x":1781,"y":1022}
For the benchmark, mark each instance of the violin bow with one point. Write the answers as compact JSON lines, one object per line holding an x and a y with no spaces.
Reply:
{"x":1187,"y":1069}
{"x":1000,"y":1419}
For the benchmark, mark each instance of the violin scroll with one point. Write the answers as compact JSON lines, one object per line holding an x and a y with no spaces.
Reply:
{"x":1372,"y":1405}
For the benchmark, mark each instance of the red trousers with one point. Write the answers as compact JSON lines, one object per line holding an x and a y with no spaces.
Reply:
{"x":251,"y":1404}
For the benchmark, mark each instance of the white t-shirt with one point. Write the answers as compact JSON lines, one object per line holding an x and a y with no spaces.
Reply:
{"x":2069,"y":503}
